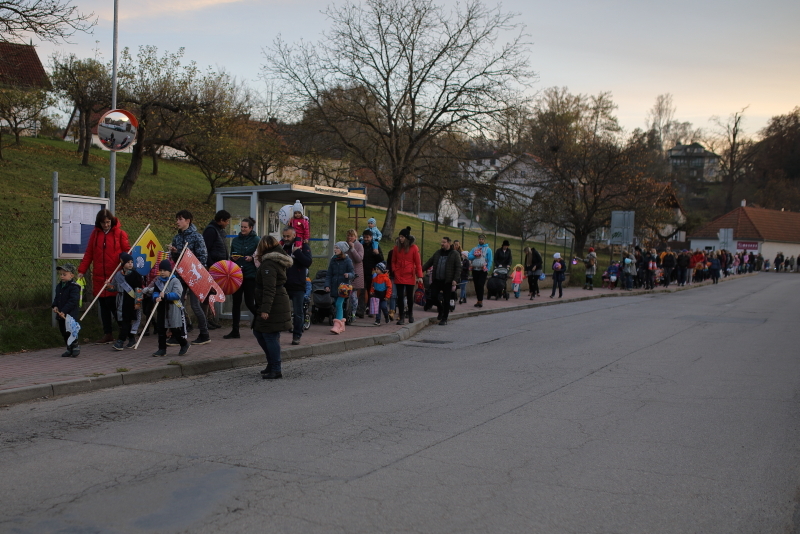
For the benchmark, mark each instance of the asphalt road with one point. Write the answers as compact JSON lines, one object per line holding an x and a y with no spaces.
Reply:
{"x":668,"y":413}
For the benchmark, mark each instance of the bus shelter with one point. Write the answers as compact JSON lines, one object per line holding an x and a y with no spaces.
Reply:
{"x":263,"y":202}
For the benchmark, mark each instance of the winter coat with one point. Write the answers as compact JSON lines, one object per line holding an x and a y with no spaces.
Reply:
{"x":102,"y":252}
{"x":668,"y":260}
{"x":452,"y":270}
{"x":591,"y":270}
{"x":356,"y":255}
{"x":381,"y":286}
{"x":196,"y":244}
{"x":486,"y":252}
{"x":302,"y":228}
{"x":126,"y":304}
{"x":301,"y":261}
{"x":171,"y":290}
{"x":68,"y":295}
{"x":559,"y":274}
{"x":503,"y":257}
{"x":337,"y":267}
{"x":214,"y":235}
{"x":533,"y":262}
{"x":371,"y":260}
{"x":271,"y":296}
{"x":406,"y":264}
{"x":465,"y":268}
{"x":683,"y":261}
{"x":245,"y":245}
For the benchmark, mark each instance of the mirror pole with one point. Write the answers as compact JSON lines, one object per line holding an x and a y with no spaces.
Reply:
{"x":112,"y":178}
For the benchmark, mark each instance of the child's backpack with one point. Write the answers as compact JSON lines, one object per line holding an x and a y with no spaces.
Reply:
{"x":479,"y":262}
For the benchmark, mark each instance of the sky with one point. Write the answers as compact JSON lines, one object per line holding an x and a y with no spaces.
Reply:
{"x":715,"y":57}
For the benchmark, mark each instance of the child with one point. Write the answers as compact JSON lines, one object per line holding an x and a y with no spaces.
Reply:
{"x":126,"y":282}
{"x":372,"y":226}
{"x":516,"y":279}
{"x":466,"y":265}
{"x":613,"y":274}
{"x":300,"y":224}
{"x":166,"y":293}
{"x":68,"y":294}
{"x":381,"y":290}
{"x":340,"y":273}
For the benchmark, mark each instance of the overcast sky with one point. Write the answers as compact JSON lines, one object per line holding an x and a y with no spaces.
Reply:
{"x":715,"y":57}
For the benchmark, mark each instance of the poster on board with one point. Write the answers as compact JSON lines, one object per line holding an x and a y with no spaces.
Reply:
{"x":76,"y":218}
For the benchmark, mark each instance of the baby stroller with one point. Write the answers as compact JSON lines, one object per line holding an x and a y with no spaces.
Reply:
{"x":496,"y":286}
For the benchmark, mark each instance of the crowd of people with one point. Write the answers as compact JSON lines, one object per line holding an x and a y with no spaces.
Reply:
{"x":360,"y":280}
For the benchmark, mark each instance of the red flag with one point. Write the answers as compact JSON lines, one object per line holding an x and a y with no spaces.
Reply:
{"x":197,"y":278}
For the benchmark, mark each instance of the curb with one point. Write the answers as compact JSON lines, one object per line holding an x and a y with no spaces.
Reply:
{"x":180,"y":370}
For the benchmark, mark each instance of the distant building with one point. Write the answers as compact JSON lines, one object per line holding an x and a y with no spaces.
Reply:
{"x":21,"y":68}
{"x":755,"y":230}
{"x":695,"y":162}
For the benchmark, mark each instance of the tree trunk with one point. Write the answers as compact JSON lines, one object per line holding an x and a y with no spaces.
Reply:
{"x":580,"y":243}
{"x":81,"y":134}
{"x":154,"y":155}
{"x":87,"y":141}
{"x":16,"y":136}
{"x":132,"y":174}
{"x":391,"y":214}
{"x":1,"y":145}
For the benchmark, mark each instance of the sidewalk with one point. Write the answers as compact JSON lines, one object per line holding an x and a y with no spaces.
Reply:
{"x":44,"y":373}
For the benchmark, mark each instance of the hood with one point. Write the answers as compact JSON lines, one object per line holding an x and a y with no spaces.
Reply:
{"x":278,"y":257}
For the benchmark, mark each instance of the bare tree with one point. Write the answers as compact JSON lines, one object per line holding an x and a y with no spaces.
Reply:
{"x":736,"y":152}
{"x":392,"y":75}
{"x":50,"y":20}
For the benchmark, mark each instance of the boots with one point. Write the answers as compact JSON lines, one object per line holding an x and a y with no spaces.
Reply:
{"x":338,"y":326}
{"x":74,"y":349}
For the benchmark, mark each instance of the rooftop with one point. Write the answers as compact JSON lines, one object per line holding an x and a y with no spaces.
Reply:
{"x":20,"y":67}
{"x":757,"y":224}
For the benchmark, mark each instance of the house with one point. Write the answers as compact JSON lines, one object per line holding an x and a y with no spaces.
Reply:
{"x":754,"y":229}
{"x":695,"y":162}
{"x":20,"y":67}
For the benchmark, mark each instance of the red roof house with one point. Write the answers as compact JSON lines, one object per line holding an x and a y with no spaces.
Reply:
{"x":20,"y":67}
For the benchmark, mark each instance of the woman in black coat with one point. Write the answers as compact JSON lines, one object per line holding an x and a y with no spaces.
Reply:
{"x":533,"y":267}
{"x":272,"y":303}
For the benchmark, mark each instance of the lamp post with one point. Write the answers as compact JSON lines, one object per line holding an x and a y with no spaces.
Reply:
{"x":112,"y":177}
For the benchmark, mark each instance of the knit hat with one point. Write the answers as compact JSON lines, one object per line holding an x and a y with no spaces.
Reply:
{"x":165,"y":265}
{"x":591,"y":249}
{"x":67,"y":267}
{"x":297,"y":207}
{"x":124,"y":257}
{"x":465,"y":254}
{"x":372,"y":220}
{"x":506,"y":243}
{"x":406,"y":232}
{"x":381,"y":267}
{"x":557,"y":255}
{"x":343,"y":246}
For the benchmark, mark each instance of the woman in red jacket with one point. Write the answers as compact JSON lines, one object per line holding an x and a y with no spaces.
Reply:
{"x":406,"y":271}
{"x":102,"y":252}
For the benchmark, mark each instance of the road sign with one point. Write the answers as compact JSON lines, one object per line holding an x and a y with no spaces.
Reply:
{"x":621,"y":228}
{"x":725,"y":236}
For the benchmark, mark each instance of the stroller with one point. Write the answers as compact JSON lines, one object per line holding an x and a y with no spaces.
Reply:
{"x":307,"y":305}
{"x":496,"y":286}
{"x":322,"y":302}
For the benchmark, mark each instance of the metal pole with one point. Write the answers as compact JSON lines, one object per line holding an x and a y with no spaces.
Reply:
{"x":56,"y":224}
{"x":422,"y":255}
{"x":495,"y":230}
{"x":112,"y":177}
{"x":462,"y":238}
{"x":102,"y":188}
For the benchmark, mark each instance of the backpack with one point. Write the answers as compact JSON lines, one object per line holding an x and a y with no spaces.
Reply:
{"x":652,"y":266}
{"x":589,"y":261}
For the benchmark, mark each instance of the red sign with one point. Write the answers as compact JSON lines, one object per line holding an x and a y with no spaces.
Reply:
{"x":199,"y":281}
{"x":747,"y":245}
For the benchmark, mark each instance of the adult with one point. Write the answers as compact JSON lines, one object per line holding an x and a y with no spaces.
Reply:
{"x":533,"y":268}
{"x":457,"y":246}
{"x":406,"y":269}
{"x":650,"y":267}
{"x":188,"y":235}
{"x":272,"y":303}
{"x":105,"y":244}
{"x":358,"y":298}
{"x":628,"y":269}
{"x":591,"y":268}
{"x":296,"y":278}
{"x":243,"y":250}
{"x":778,"y":262}
{"x":215,"y":237}
{"x":446,"y":264}
{"x":370,"y":260}
{"x":668,"y":262}
{"x":481,"y":258}
{"x":714,"y":266}
{"x":502,"y":256}
{"x":559,"y":269}
{"x":682,"y":263}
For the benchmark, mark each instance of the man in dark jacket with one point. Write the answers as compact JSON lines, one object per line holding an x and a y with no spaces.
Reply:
{"x":502,"y":256}
{"x":296,"y":279}
{"x":216,"y":238}
{"x":446,"y":264}
{"x":668,"y":264}
{"x":187,"y":235}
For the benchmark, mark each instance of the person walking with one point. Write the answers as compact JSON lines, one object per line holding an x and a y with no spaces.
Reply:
{"x":559,"y":268}
{"x":682,"y":263}
{"x":590,"y":264}
{"x":406,"y":269}
{"x":446,"y":264}
{"x":481,"y":260}
{"x":340,"y":271}
{"x":300,"y":253}
{"x":106,"y":242}
{"x":272,"y":303}
{"x":188,"y":235}
{"x":358,"y":298}
{"x":215,"y":238}
{"x":533,"y":268}
{"x":243,"y":250}
{"x":373,"y":255}
{"x":668,"y":262}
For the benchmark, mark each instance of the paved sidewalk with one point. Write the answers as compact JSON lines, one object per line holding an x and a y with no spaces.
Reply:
{"x":43,"y":373}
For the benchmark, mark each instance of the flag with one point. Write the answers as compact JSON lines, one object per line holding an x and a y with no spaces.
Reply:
{"x":197,"y":278}
{"x":145,"y":253}
{"x":73,"y":327}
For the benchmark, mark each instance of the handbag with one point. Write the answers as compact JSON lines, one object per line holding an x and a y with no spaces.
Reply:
{"x":419,"y":295}
{"x":542,"y":276}
{"x":345,"y":290}
{"x":515,"y":288}
{"x":374,"y":305}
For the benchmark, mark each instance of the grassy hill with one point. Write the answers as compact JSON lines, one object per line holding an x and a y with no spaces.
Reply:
{"x":26,"y":178}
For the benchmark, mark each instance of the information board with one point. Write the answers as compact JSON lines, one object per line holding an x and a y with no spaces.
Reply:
{"x":76,"y":218}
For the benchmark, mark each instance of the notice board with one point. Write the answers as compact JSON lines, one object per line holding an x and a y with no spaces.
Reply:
{"x":76,"y":218}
